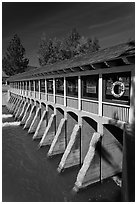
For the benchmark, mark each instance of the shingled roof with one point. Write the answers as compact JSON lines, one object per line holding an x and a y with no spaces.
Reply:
{"x":103,"y":55}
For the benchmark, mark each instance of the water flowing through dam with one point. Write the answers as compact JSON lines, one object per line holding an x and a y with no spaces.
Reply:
{"x":29,"y":176}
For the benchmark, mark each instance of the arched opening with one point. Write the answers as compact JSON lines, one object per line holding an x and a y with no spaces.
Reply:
{"x":111,"y":150}
{"x":59,"y":116}
{"x":50,"y":111}
{"x":89,"y":126}
{"x":72,"y":120}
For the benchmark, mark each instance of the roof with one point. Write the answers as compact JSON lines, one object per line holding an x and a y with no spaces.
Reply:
{"x":100,"y":56}
{"x":4,"y":75}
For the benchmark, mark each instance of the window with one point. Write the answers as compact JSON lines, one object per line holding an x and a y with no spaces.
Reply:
{"x":90,"y":86}
{"x":59,"y":86}
{"x":32,"y":85}
{"x":27,"y":85}
{"x":116,"y":87}
{"x":72,"y":86}
{"x":50,"y":86}
{"x":36,"y":85}
{"x":42,"y":85}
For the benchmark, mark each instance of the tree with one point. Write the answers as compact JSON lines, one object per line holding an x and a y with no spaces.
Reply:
{"x":14,"y":62}
{"x":53,"y":50}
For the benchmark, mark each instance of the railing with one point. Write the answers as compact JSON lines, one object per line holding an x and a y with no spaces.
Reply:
{"x":72,"y":102}
{"x":89,"y":105}
{"x":50,"y":97}
{"x":32,"y":94}
{"x":110,"y":110}
{"x":37,"y":94}
{"x":43,"y":96}
{"x":60,"y":99}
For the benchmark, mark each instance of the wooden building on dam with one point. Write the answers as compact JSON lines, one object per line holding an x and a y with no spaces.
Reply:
{"x":78,"y":108}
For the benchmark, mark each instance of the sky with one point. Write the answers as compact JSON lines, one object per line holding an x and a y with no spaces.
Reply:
{"x":111,"y":22}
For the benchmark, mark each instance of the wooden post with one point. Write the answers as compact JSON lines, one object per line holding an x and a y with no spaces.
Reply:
{"x":46,"y":90}
{"x":65,"y":93}
{"x":34,"y":87}
{"x":100,"y":90}
{"x":132,"y":99}
{"x":39,"y":88}
{"x":26,"y":89}
{"x":29,"y":89}
{"x":54,"y":90}
{"x":79,"y":93}
{"x":20,"y":88}
{"x":23,"y":88}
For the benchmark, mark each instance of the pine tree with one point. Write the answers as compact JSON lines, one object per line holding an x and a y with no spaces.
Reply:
{"x":53,"y":50}
{"x":14,"y":62}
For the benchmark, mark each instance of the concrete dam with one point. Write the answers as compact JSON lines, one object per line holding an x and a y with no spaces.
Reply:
{"x":78,"y":108}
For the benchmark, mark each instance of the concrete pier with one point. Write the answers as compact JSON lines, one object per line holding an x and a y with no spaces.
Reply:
{"x":19,"y":109}
{"x":49,"y":132}
{"x":26,"y":114}
{"x":71,"y":156}
{"x":35,"y":121}
{"x":30,"y":117}
{"x":90,"y":170}
{"x":58,"y":144}
{"x":41,"y":126}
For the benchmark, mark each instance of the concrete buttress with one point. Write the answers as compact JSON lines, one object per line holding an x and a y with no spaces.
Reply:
{"x":30,"y":117}
{"x":71,"y":156}
{"x":90,"y":170}
{"x":26,"y":114}
{"x":41,"y":126}
{"x":58,"y":143}
{"x":35,"y":121}
{"x":49,"y":132}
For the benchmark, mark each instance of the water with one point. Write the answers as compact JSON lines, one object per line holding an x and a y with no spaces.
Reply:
{"x":28,"y":175}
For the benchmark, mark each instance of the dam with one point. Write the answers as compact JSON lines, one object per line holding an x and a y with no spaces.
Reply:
{"x":78,"y":108}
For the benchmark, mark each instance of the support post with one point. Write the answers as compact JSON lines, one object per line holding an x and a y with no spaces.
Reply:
{"x":71,"y":156}
{"x":54,"y":91}
{"x":100,"y":90}
{"x":65,"y":93}
{"x":58,"y":143}
{"x":39,"y":88}
{"x":49,"y":132}
{"x":34,"y":88}
{"x":45,"y":90}
{"x":79,"y":92}
{"x":90,"y":170}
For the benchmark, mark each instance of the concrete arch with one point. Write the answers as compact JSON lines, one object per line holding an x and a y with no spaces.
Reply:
{"x":59,"y":116}
{"x":50,"y":106}
{"x":32,"y":101}
{"x":111,"y":150}
{"x":59,"y":106}
{"x":93,"y":116}
{"x":72,"y":120}
{"x":115,"y":131}
{"x":89,"y":127}
{"x":50,"y":111}
{"x":37,"y":103}
{"x":43,"y":106}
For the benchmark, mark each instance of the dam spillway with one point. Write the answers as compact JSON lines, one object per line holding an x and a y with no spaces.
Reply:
{"x":79,"y":111}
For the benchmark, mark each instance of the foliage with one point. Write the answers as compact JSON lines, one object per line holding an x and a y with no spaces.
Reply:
{"x":53,"y":50}
{"x":14,"y":61}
